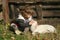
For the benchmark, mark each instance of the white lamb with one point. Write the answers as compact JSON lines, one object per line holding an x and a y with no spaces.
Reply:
{"x":45,"y":28}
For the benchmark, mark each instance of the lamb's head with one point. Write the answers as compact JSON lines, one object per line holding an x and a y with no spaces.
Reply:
{"x":33,"y":24}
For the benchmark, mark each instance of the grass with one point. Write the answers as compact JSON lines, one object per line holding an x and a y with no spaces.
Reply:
{"x":5,"y":34}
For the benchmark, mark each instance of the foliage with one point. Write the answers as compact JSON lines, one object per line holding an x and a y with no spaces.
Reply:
{"x":5,"y":34}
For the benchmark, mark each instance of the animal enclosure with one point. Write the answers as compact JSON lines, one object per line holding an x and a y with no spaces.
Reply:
{"x":42,"y":9}
{"x":47,"y":9}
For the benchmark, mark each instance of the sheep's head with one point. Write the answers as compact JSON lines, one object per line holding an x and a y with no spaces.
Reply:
{"x":33,"y":24}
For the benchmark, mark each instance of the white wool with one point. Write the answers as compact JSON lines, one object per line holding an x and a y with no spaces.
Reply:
{"x":34,"y":25}
{"x":30,"y":18}
{"x":45,"y":28}
{"x":20,"y":17}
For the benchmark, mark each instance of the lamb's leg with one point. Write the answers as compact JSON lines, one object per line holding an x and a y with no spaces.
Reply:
{"x":33,"y":33}
{"x":26,"y":30}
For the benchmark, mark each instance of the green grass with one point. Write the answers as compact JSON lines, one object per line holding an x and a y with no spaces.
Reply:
{"x":5,"y":34}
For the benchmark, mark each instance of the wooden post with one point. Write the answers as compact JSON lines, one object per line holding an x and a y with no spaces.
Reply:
{"x":5,"y":11}
{"x":13,"y":13}
{"x":39,"y":11}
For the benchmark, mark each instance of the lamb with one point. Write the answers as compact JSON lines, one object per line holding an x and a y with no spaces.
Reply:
{"x":41,"y":29}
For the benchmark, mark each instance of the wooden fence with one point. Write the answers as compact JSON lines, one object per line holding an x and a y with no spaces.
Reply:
{"x":43,"y":8}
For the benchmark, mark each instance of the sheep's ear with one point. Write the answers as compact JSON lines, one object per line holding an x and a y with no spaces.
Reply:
{"x":30,"y":23}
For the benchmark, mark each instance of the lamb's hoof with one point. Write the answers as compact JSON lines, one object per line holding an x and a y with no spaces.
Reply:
{"x":33,"y":34}
{"x":18,"y":32}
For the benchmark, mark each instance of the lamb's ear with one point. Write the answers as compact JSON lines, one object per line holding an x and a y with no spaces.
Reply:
{"x":30,"y":18}
{"x":36,"y":23}
{"x":30,"y":23}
